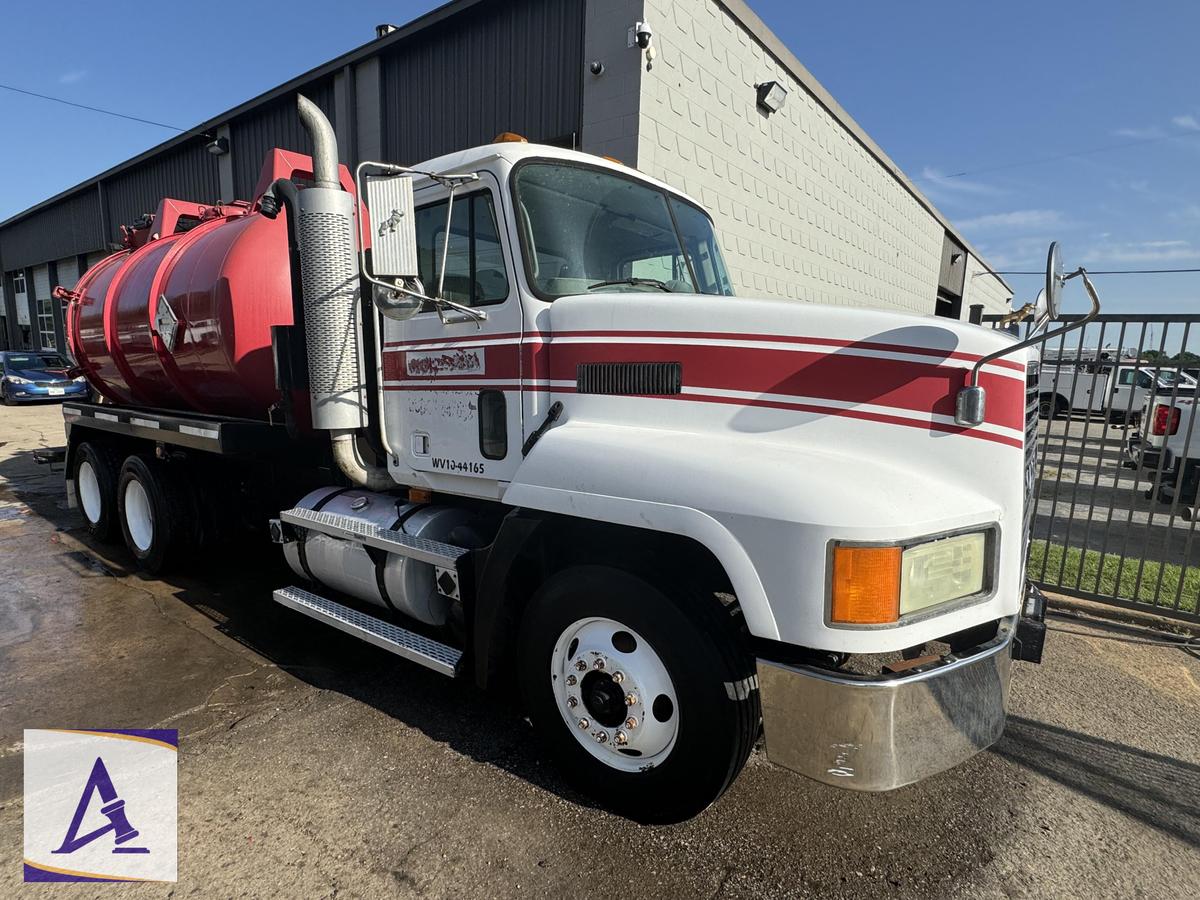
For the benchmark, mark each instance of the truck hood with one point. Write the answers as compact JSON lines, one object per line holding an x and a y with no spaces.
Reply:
{"x":862,"y":363}
{"x":768,"y":429}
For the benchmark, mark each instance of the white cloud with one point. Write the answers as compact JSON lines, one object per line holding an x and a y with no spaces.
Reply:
{"x":71,"y":77}
{"x":1143,"y":252}
{"x":1020,"y":218}
{"x":1187,"y":122}
{"x":1140,"y":134}
{"x":955,"y":184}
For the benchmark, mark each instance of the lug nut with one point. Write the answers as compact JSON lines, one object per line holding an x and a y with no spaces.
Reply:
{"x":621,"y":738}
{"x":631,"y":723}
{"x":598,"y":664}
{"x":618,"y":677}
{"x":572,"y":703}
{"x":571,"y":680}
{"x":581,"y":666}
{"x":584,"y":724}
{"x":631,"y":699}
{"x":601,"y":737}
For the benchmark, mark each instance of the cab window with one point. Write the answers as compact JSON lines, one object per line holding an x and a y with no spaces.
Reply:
{"x":475,"y":273}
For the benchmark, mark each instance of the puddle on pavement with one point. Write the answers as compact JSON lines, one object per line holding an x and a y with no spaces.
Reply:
{"x":85,"y":564}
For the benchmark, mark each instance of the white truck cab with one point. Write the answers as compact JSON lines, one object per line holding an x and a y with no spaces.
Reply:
{"x":569,"y":463}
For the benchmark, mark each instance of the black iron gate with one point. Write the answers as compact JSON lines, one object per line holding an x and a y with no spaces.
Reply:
{"x":1114,"y":518}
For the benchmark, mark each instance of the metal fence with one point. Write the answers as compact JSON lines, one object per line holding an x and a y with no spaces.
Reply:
{"x":1114,"y":519}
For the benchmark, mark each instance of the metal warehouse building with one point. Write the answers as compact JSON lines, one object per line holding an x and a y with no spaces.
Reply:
{"x":807,"y":205}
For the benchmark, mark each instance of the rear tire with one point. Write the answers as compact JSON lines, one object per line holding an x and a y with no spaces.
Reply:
{"x":694,"y":709}
{"x":154,"y":512}
{"x":1051,"y":407}
{"x":95,"y":476}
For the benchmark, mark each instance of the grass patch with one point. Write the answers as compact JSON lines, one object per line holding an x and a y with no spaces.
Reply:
{"x":1113,"y":579}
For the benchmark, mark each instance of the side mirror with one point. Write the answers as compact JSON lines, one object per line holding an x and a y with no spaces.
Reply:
{"x":393,"y":243}
{"x":1054,"y":281}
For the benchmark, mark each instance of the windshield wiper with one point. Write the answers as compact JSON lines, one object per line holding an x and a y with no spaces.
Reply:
{"x":653,"y":282}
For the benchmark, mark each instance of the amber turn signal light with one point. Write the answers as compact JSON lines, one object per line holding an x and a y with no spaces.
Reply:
{"x":866,"y":585}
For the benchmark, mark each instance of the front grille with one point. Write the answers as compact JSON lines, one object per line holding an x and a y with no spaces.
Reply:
{"x":1031,"y":453}
{"x":52,"y":383}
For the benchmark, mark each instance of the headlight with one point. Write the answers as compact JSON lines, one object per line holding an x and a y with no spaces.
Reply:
{"x":941,"y":571}
{"x":879,"y":585}
{"x":18,"y":380}
{"x":79,"y":379}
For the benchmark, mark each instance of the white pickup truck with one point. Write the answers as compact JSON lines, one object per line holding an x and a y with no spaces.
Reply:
{"x":1102,"y":386}
{"x":1170,"y":447}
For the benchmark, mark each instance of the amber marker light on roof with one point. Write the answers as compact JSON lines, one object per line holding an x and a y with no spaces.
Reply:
{"x":865,"y":588}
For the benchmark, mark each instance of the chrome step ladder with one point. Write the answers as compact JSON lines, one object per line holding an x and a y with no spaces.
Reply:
{"x":352,"y":529}
{"x":408,"y":644}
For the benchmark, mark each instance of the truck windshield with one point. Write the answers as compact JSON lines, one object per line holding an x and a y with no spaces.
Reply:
{"x":589,"y":230}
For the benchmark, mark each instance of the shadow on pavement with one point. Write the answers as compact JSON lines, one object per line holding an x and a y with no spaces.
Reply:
{"x":1157,"y":790}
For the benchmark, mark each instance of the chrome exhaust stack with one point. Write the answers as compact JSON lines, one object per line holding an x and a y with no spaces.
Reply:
{"x":329,"y":278}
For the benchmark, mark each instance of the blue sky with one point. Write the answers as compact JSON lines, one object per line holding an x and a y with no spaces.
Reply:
{"x":943,"y":87}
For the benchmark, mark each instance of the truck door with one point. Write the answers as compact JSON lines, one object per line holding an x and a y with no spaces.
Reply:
{"x":452,"y":389}
{"x":1130,"y":388}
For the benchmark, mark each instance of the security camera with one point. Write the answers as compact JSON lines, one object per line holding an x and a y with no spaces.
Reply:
{"x":643,"y":34}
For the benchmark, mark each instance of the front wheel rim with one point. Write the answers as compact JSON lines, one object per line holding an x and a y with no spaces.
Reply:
{"x":615,"y":694}
{"x":139,"y":518}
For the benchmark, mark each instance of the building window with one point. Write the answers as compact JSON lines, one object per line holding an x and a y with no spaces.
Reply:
{"x":46,"y":325}
{"x":19,"y":282}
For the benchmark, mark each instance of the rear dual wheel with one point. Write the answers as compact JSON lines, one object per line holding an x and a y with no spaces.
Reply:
{"x":154,"y":510}
{"x":645,"y":700}
{"x":95,"y":475}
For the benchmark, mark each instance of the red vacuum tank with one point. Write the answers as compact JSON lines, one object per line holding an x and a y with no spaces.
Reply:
{"x":219,"y":277}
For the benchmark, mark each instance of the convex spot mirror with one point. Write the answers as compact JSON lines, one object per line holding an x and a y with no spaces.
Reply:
{"x":1052,"y":295}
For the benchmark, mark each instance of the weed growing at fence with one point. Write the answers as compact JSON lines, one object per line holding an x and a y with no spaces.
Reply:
{"x":1103,"y":579}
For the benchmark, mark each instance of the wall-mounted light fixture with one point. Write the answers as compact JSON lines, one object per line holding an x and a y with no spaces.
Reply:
{"x":771,"y":95}
{"x":954,"y":258}
{"x":218,"y":146}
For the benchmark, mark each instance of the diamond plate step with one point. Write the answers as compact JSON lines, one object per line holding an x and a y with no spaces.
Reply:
{"x":352,"y":529}
{"x":408,"y":644}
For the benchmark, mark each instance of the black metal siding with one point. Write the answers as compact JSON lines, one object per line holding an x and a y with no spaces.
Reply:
{"x":59,"y":230}
{"x":274,"y":125}
{"x":188,"y":173}
{"x":513,"y":66}
{"x":456,"y":82}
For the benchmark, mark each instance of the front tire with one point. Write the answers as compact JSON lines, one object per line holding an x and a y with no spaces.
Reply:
{"x":647,"y":702}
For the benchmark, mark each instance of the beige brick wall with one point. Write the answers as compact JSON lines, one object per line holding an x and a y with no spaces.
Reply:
{"x":980,"y":286}
{"x":804,"y":210}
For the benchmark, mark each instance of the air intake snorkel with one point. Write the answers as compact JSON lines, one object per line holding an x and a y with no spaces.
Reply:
{"x":971,"y":402}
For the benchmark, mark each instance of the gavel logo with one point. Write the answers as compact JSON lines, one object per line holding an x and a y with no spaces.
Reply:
{"x":114,"y":809}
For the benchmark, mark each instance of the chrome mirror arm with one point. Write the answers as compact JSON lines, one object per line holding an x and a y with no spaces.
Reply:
{"x":970,"y":403}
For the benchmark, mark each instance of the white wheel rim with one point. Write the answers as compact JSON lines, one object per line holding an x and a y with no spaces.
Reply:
{"x":89,"y":492}
{"x":616,"y":662}
{"x":139,"y":518}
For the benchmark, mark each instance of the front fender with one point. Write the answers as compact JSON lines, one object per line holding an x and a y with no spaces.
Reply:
{"x":765,"y":509}
{"x":570,"y":473}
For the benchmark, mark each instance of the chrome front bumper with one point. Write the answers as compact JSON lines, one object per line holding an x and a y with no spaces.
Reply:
{"x":880,"y":733}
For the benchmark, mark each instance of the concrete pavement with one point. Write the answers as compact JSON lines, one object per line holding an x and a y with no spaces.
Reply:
{"x":312,"y":765}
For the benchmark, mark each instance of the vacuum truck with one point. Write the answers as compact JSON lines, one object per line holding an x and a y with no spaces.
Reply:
{"x":504,"y":418}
